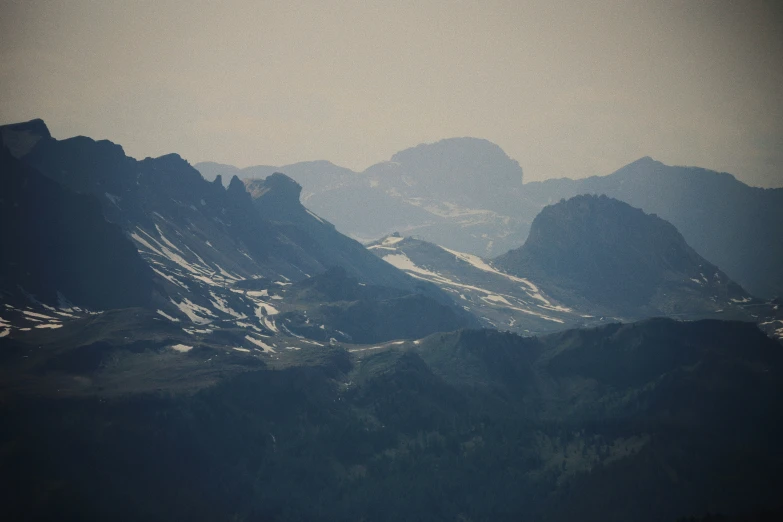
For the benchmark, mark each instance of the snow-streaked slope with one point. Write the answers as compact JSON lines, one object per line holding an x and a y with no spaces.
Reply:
{"x":499,"y":299}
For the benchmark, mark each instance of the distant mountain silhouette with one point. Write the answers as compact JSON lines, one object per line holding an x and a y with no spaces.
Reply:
{"x":735,"y":226}
{"x":458,"y":192}
{"x":470,"y":172}
{"x":602,"y":251}
{"x":466,"y":194}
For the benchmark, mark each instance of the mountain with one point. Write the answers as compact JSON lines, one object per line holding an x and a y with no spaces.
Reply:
{"x":733,"y":225}
{"x":19,"y":138}
{"x":593,"y":424}
{"x":256,"y":364}
{"x":58,"y":248}
{"x":205,"y":222}
{"x":499,"y":299}
{"x":469,"y":172}
{"x":467,"y":195}
{"x":458,"y":192}
{"x":219,"y":258}
{"x":276,"y":200}
{"x":602,"y":254}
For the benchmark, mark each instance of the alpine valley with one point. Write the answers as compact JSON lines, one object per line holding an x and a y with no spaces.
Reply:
{"x":430,"y":339}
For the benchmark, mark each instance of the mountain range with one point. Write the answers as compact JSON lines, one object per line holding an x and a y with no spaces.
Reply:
{"x":173,"y":347}
{"x":731,"y":224}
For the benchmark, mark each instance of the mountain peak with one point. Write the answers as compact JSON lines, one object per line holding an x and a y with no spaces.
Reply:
{"x":618,"y":257}
{"x":284,"y":184}
{"x":467,"y":171}
{"x":236,"y":186}
{"x":36,"y":127}
{"x":646,"y":160}
{"x":645,"y":165}
{"x":454,"y":151}
{"x":171,"y":160}
{"x":21,"y":137}
{"x":276,"y":186}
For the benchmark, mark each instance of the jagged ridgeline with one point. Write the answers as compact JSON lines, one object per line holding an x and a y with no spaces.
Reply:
{"x":198,"y":239}
{"x":431,"y":192}
{"x":57,"y":246}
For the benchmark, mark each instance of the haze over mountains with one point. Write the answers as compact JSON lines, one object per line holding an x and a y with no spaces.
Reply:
{"x":226,"y":346}
{"x":727,"y":222}
{"x":458,"y":192}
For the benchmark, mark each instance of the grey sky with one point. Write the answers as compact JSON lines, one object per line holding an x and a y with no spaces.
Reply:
{"x":572,"y":89}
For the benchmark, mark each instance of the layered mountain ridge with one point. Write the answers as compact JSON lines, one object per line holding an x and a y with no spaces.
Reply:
{"x":432,"y":195}
{"x":453,"y":192}
{"x":279,"y":370}
{"x":733,"y":225}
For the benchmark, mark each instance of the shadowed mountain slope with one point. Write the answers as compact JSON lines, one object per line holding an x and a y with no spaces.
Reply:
{"x":58,"y":248}
{"x":600,"y":252}
{"x":594,"y":425}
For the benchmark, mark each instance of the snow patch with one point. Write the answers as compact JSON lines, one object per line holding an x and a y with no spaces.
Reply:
{"x":190,"y":309}
{"x":221,"y":304}
{"x":265,"y":309}
{"x":167,"y":316}
{"x":40,"y":316}
{"x":312,"y":214}
{"x":497,"y":299}
{"x":261,"y":344}
{"x":170,"y":279}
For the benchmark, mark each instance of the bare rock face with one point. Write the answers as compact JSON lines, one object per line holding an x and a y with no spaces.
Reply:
{"x":277,"y":194}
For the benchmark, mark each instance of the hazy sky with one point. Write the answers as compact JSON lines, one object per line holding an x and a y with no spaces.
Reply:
{"x":573,"y":89}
